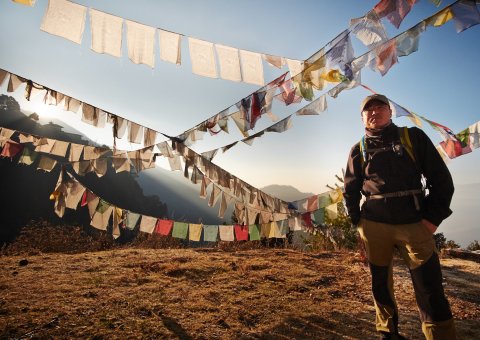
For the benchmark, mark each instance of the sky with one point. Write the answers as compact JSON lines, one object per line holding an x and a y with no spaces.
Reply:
{"x":439,"y":81}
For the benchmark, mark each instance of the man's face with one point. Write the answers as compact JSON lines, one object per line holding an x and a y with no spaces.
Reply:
{"x":376,"y":115}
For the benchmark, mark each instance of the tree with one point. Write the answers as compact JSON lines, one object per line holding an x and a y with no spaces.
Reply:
{"x":451,"y":244}
{"x":440,"y":240}
{"x":474,"y":246}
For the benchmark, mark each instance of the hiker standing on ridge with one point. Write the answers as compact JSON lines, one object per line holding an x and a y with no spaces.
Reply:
{"x":386,"y":166}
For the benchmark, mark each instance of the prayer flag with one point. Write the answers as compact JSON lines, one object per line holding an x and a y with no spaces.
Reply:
{"x":274,"y":60}
{"x":64,"y":19}
{"x":164,"y":227}
{"x":386,"y":56}
{"x":194,"y":232}
{"x":252,"y":68}
{"x":369,"y":29}
{"x":202,"y":58}
{"x":141,"y":43}
{"x":170,"y":47}
{"x":254,"y":232}
{"x":106,"y":32}
{"x":131,"y":220}
{"x":394,"y":10}
{"x":229,"y":63}
{"x":147,"y":224}
{"x":315,"y":107}
{"x":241,"y":232}
{"x":407,"y":42}
{"x":226,"y":233}
{"x":210,"y":233}
{"x":466,"y":14}
{"x":180,"y":230}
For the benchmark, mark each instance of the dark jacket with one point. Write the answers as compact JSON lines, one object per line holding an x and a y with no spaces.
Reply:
{"x":393,"y":171}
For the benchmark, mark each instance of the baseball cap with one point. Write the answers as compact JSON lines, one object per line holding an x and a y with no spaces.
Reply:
{"x":376,"y":96}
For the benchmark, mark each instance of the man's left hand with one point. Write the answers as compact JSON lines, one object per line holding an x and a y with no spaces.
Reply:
{"x":430,"y":226}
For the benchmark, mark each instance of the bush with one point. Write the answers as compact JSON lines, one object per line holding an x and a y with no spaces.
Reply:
{"x":474,"y":246}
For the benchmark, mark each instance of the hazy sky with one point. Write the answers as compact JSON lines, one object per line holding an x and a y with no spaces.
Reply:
{"x":439,"y":81}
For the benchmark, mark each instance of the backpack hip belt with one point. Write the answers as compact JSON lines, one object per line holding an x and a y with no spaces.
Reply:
{"x":413,"y":192}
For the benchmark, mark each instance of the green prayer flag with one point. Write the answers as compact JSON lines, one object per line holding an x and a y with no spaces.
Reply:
{"x":319,"y":216}
{"x":102,"y":206}
{"x":324,"y":200}
{"x":463,"y":136}
{"x":28,"y":156}
{"x":254,"y":232}
{"x":210,"y":233}
{"x":180,"y":230}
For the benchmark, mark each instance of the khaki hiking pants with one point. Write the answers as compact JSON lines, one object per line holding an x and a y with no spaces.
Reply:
{"x":417,"y":247}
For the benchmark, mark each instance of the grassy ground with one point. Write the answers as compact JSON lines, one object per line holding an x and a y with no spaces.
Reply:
{"x":211,"y":293}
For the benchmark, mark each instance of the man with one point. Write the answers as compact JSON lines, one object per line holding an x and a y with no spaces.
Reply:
{"x":407,"y":189}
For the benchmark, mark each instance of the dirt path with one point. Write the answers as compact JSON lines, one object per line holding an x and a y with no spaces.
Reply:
{"x":205,"y":293}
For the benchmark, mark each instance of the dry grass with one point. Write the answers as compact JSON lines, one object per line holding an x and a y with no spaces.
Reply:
{"x":211,"y":293}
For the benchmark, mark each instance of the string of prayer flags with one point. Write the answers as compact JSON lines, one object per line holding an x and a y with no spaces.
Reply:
{"x":65,"y":19}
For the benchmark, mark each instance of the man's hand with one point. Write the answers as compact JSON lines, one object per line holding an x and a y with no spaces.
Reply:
{"x":430,"y":226}
{"x":362,"y":252}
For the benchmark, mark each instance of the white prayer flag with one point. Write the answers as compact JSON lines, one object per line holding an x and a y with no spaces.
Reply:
{"x":135,"y":133}
{"x":65,"y":19}
{"x":226,"y":233}
{"x":315,"y":107}
{"x":106,"y":32}
{"x":202,"y":58}
{"x":295,"y":66}
{"x":229,"y":63}
{"x":147,"y":224}
{"x":170,"y":47}
{"x":252,"y":67}
{"x":274,"y":60}
{"x":141,"y":43}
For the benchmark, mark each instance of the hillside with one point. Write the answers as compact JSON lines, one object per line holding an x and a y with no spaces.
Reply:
{"x":211,"y":293}
{"x":286,"y":192}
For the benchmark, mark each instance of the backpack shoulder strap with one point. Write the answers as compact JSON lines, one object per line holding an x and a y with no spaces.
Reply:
{"x":406,"y":142}
{"x":363,"y":151}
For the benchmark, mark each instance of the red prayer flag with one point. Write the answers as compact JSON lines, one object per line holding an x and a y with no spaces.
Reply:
{"x":163,"y":227}
{"x":11,"y":149}
{"x":241,"y":232}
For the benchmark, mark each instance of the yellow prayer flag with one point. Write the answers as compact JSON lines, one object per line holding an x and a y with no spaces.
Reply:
{"x":195,"y":232}
{"x":25,"y":2}
{"x":440,"y":18}
{"x":415,"y":119}
{"x":331,"y":211}
{"x":332,"y":76}
{"x":273,"y":232}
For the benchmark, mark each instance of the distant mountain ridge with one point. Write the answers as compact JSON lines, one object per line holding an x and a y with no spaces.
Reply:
{"x":286,"y":192}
